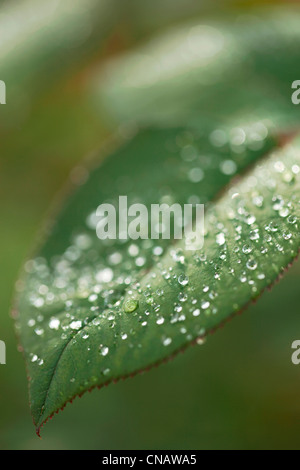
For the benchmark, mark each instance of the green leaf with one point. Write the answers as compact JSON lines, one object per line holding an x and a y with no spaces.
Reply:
{"x":233,"y":66}
{"x":92,"y":312}
{"x":41,"y":40}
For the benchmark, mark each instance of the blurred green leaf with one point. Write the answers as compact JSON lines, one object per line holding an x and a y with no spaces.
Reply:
{"x":91,"y":312}
{"x":42,"y":40}
{"x":242,"y":63}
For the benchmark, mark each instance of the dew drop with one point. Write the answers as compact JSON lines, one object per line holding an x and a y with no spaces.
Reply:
{"x":205,"y":305}
{"x":54,"y":324}
{"x":220,"y":239}
{"x":247,"y":249}
{"x":166,"y":341}
{"x":104,"y":350}
{"x":130,"y":305}
{"x":76,"y":325}
{"x":183,"y":280}
{"x":251,"y":264}
{"x":182,"y":297}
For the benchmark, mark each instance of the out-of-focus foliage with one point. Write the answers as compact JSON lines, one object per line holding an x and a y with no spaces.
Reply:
{"x":211,"y":69}
{"x":40,"y":40}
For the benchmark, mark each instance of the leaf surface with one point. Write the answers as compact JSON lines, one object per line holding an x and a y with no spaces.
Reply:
{"x":92,"y":312}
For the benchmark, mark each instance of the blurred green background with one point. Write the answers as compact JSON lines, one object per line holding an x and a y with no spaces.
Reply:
{"x":240,"y":389}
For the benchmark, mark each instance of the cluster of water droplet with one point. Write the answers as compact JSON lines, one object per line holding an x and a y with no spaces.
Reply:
{"x":115,"y":300}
